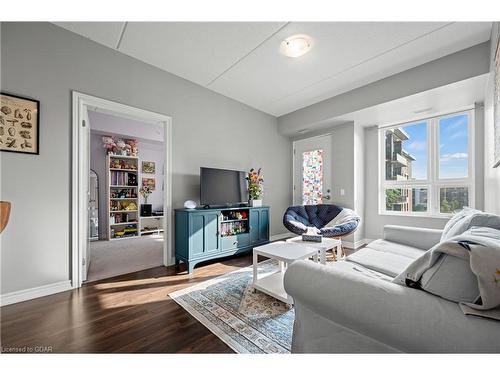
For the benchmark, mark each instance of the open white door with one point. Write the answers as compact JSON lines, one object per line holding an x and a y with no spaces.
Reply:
{"x":85,"y":181}
{"x":312,"y":170}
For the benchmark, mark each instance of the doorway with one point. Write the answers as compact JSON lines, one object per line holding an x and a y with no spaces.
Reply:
{"x":312,"y":177}
{"x":83,"y":184}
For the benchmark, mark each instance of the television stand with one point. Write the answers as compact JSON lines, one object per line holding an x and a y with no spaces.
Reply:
{"x":211,"y":233}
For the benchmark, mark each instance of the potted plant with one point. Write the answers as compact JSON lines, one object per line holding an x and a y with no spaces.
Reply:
{"x":146,"y":208}
{"x":255,"y":187}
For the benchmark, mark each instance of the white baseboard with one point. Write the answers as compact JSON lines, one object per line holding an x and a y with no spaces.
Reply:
{"x":281,"y":236}
{"x":32,"y":293}
{"x":354,"y":245}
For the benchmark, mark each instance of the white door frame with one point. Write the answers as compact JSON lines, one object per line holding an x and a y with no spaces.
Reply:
{"x":79,"y":199}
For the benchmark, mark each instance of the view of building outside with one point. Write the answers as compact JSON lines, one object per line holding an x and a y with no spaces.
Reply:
{"x":400,"y":166}
{"x":406,"y":159}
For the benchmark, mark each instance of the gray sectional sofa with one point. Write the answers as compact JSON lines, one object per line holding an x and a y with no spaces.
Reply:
{"x":355,"y":307}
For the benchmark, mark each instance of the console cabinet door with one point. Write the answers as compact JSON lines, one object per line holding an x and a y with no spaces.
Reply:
{"x":254,"y":226}
{"x":263,"y":225}
{"x":203,"y":234}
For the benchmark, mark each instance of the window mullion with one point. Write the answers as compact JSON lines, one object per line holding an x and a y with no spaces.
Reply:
{"x":433,"y":165}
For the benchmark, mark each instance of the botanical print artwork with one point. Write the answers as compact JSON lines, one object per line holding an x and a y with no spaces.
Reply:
{"x":18,"y":124}
{"x":148,"y":167}
{"x":149,"y":182}
{"x":312,"y":177}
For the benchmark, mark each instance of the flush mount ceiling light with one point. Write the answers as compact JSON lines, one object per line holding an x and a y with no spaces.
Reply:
{"x":296,"y":45}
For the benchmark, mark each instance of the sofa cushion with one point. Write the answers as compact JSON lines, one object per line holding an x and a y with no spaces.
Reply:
{"x":466,"y":219}
{"x":451,"y":278}
{"x":385,"y":257}
{"x":396,"y":248}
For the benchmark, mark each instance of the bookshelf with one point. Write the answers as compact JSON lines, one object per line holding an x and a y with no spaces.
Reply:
{"x":122,"y":196}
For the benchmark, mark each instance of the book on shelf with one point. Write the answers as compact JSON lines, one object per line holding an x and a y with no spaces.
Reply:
{"x":123,"y":178}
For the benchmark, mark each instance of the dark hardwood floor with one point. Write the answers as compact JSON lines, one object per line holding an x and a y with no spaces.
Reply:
{"x":129,"y":313}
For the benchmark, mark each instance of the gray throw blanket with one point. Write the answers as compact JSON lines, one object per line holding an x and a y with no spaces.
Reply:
{"x":481,"y":246}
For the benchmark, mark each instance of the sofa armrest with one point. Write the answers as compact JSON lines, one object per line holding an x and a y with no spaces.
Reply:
{"x":407,"y":319}
{"x":422,"y":238}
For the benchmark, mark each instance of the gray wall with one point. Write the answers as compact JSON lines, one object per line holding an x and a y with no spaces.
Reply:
{"x":45,"y":62}
{"x":491,"y":175}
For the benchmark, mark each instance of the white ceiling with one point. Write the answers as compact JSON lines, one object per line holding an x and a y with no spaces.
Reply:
{"x":242,"y":60}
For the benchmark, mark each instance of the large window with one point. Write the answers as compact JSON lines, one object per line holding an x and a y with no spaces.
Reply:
{"x":427,"y":166}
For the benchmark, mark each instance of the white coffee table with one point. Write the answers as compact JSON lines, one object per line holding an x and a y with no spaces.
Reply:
{"x":285,"y":253}
{"x":323,"y":246}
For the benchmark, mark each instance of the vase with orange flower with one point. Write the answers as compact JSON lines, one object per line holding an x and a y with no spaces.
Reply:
{"x":255,"y":187}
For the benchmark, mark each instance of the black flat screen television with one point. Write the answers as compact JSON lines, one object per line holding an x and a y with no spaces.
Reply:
{"x":222,"y":187}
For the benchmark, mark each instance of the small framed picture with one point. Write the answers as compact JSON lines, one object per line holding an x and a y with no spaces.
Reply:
{"x":19,"y":124}
{"x":148,"y":167}
{"x":149,"y":182}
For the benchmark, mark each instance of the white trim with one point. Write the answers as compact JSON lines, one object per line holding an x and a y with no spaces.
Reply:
{"x":281,"y":236}
{"x":82,"y":102}
{"x":32,"y":293}
{"x":432,"y":183}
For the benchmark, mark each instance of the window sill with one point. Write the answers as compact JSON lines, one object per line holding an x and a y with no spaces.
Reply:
{"x":424,"y":215}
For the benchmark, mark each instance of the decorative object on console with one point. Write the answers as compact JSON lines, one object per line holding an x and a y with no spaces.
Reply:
{"x":148,"y":167}
{"x":19,"y":124}
{"x":255,"y":187}
{"x":190,"y":204}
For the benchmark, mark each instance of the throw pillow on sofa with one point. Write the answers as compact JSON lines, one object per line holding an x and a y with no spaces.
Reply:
{"x":451,"y":278}
{"x":466,"y":219}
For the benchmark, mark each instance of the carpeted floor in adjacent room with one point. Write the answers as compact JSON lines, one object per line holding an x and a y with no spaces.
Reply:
{"x":113,"y":258}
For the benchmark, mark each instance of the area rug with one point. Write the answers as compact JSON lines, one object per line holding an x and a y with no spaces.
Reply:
{"x":247,"y":321}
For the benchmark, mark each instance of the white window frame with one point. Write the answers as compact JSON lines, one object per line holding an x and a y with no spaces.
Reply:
{"x":433,"y":183}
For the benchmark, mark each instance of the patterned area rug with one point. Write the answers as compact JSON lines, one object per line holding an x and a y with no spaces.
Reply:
{"x":247,"y":321}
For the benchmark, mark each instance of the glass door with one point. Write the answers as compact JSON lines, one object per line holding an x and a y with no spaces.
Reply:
{"x":312,"y":171}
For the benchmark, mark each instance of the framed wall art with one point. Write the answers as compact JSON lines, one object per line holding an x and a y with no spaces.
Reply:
{"x":149,"y":182}
{"x":496,"y":107}
{"x":148,"y":167}
{"x":19,"y":124}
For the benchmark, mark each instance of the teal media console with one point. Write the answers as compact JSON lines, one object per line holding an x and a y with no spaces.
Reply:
{"x":208,"y":233}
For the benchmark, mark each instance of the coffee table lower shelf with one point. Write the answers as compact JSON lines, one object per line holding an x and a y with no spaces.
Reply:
{"x":273,"y":285}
